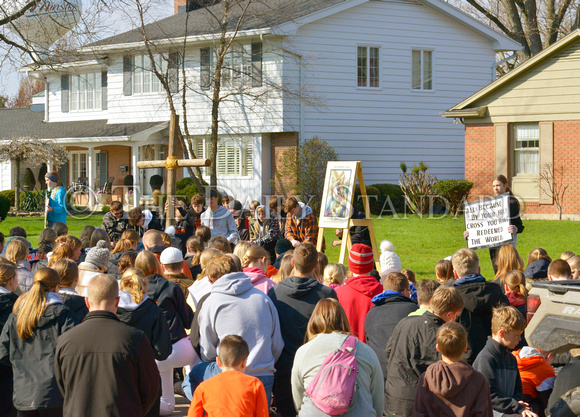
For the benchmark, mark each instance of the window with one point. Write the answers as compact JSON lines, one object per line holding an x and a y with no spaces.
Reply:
{"x":144,"y":80}
{"x":526,"y":146}
{"x":242,"y":66}
{"x":86,"y":91}
{"x":78,"y":165}
{"x":422,"y":70}
{"x":234,"y":157}
{"x":368,"y":60}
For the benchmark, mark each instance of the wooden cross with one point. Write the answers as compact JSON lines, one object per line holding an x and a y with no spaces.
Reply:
{"x":171,"y":163}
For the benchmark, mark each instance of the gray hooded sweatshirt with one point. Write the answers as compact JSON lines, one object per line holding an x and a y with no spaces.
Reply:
{"x":234,"y":306}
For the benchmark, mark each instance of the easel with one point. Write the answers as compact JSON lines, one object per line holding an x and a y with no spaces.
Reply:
{"x":367,"y":221}
{"x":171,"y":163}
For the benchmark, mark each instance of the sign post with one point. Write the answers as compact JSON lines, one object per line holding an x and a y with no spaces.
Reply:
{"x":487,"y":221}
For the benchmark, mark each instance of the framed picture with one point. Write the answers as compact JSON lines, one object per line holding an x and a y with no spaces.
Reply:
{"x":337,"y":196}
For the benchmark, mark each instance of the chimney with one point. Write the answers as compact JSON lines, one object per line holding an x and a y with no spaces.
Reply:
{"x":184,"y":6}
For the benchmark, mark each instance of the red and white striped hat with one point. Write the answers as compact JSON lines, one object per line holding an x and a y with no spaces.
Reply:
{"x":360,"y":259}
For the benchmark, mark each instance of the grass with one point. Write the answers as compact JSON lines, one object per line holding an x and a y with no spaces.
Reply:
{"x":420,"y":243}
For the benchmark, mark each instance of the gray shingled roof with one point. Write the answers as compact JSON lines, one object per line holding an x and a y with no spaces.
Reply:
{"x":25,"y":123}
{"x":260,"y":14}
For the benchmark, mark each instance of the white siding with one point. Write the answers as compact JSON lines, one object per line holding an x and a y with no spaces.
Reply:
{"x":391,"y":124}
{"x":6,"y":176}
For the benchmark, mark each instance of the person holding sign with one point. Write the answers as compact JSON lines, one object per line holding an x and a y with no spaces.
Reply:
{"x":501,"y":186}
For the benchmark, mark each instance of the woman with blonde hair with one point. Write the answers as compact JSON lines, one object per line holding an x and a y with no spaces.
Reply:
{"x":202,"y":286}
{"x":69,"y":279}
{"x":286,"y":267}
{"x":255,"y":265}
{"x":508,"y":259}
{"x":327,"y":331}
{"x":28,"y":342}
{"x":171,"y":300}
{"x":8,"y":284}
{"x":17,"y":252}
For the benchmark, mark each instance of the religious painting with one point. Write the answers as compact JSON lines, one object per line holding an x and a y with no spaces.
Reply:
{"x":337,"y":196}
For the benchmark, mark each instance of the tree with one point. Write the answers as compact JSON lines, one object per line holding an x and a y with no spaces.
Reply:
{"x":28,"y":87}
{"x":534,"y":24}
{"x":417,"y":185}
{"x":554,"y":184}
{"x":33,"y":152}
{"x":305,"y":167}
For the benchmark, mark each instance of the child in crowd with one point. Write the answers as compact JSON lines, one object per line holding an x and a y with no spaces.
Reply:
{"x":389,"y":259}
{"x":537,"y":376}
{"x":500,"y":367}
{"x":69,"y":278}
{"x":245,"y":395}
{"x":319,"y":271}
{"x":451,"y":387}
{"x":220,"y":243}
{"x":286,"y":267}
{"x":334,"y":275}
{"x":60,"y":228}
{"x":195,"y":247}
{"x":425,"y":291}
{"x":196,"y":209}
{"x":411,"y":349}
{"x":255,"y":263}
{"x":444,"y":271}
{"x":8,"y":284}
{"x":204,"y":233}
{"x":171,"y":260}
{"x":515,"y":290}
{"x":17,"y":252}
{"x":412,"y":282}
{"x":567,"y":255}
{"x":127,"y":261}
{"x":202,"y":286}
{"x":241,"y":248}
{"x":253,"y":217}
{"x":559,"y":270}
{"x":574,"y":263}
{"x":260,"y":225}
{"x":538,"y":262}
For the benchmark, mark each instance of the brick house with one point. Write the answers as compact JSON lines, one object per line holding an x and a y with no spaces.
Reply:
{"x":523,"y":121}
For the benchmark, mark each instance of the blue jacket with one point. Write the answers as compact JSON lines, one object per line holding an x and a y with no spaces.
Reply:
{"x":57,"y":200}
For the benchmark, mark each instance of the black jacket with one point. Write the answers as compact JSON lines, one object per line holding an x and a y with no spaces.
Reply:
{"x":382,"y":319}
{"x":33,"y":360}
{"x":410,"y":350}
{"x":114,"y":226}
{"x":500,"y":368}
{"x":479,"y":300}
{"x":171,"y":299}
{"x":106,"y":368}
{"x":515,"y":218}
{"x":149,"y":318}
{"x":76,"y":304}
{"x":295,"y":299}
{"x":184,"y":229}
{"x":6,"y":380}
{"x":360,"y":234}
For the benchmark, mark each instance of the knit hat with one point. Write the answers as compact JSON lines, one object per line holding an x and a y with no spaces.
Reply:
{"x":99,"y":255}
{"x":283,"y":246}
{"x":360,"y":259}
{"x":171,"y":256}
{"x":235,"y":207}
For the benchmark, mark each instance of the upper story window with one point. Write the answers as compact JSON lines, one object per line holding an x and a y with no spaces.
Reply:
{"x":242,"y":66}
{"x":83,"y":92}
{"x":139,"y":77}
{"x":526,"y":148}
{"x":422,"y":70}
{"x":368,"y":66}
{"x":234,"y":156}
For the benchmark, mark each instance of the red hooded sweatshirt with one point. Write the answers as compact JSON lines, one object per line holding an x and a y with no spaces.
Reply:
{"x":355,"y":297}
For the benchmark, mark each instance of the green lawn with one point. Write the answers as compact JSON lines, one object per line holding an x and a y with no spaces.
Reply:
{"x":420,"y":243}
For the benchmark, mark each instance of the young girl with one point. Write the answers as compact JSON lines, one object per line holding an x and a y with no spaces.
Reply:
{"x":334,"y":275}
{"x":389,"y":259}
{"x":202,"y":286}
{"x":17,"y":252}
{"x":286,"y":267}
{"x":195,"y":247}
{"x":319,"y":271}
{"x":515,"y":290}
{"x":410,"y":275}
{"x":538,"y":262}
{"x":28,"y":342}
{"x":69,"y":278}
{"x":8,"y":283}
{"x":507,"y":259}
{"x":444,"y":271}
{"x":255,"y":263}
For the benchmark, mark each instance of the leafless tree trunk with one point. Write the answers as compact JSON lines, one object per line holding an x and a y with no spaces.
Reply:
{"x":553,"y":183}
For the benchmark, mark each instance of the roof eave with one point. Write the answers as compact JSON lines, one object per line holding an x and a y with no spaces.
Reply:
{"x":91,"y":63}
{"x":473,"y":112}
{"x":122,"y":47}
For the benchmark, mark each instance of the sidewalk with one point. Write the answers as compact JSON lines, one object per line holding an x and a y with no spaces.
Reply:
{"x":181,"y":406}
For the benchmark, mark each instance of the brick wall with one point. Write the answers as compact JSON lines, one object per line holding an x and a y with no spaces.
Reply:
{"x":280,"y":143}
{"x":479,"y":165}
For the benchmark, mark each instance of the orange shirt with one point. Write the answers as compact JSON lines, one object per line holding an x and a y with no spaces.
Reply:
{"x":231,"y":394}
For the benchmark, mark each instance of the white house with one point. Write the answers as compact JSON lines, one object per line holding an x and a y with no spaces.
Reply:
{"x":373,"y":75}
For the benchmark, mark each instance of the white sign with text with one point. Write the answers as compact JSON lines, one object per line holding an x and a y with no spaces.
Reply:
{"x":487,"y":222}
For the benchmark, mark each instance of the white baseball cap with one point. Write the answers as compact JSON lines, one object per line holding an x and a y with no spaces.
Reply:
{"x":171,"y":256}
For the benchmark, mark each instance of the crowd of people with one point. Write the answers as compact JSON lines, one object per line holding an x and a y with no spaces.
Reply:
{"x":243,"y":316}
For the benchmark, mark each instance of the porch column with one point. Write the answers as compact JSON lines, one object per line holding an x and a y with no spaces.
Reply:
{"x":136,"y":175}
{"x":90,"y":174}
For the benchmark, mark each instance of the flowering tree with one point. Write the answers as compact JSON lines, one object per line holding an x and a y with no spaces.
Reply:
{"x":32,"y":151}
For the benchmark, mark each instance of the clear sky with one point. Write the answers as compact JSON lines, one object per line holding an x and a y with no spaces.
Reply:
{"x":119,"y":17}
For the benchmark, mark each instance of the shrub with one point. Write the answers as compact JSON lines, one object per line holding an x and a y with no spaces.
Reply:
{"x":29,"y":181}
{"x":156,"y":181}
{"x":9,"y":194}
{"x":455,"y":191}
{"x":32,"y":201}
{"x":371,"y":193}
{"x":417,"y":186}
{"x":184,"y":182}
{"x":390,"y":194}
{"x":4,"y":207}
{"x":105,"y":209}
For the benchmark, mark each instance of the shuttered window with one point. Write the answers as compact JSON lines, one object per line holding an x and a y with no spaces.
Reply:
{"x":86,"y":91}
{"x":144,"y":79}
{"x":242,"y":66}
{"x":234,"y":155}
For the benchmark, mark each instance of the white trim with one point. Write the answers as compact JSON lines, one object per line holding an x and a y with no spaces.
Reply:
{"x":66,"y":65}
{"x":368,"y":66}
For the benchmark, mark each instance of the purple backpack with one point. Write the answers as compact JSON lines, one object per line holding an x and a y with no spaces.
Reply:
{"x":333,"y":388}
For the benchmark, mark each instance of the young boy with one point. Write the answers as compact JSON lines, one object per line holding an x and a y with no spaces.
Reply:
{"x":204,"y":233}
{"x":559,"y":270}
{"x":500,"y":367}
{"x":196,"y":209}
{"x":425,"y":291}
{"x":253,"y":217}
{"x":451,"y":387}
{"x":411,"y":349}
{"x":231,"y":392}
